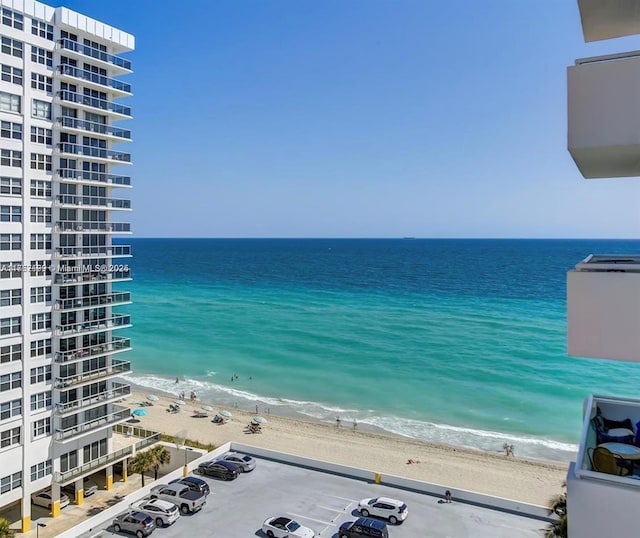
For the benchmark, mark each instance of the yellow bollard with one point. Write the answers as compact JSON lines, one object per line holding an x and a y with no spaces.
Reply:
{"x":378,"y":478}
{"x":124,"y":473}
{"x":55,"y":509}
{"x":109,"y":483}
{"x":185,"y":470}
{"x":26,"y":524}
{"x":79,"y":497}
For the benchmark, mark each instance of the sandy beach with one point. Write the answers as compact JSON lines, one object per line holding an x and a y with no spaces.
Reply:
{"x":494,"y":474}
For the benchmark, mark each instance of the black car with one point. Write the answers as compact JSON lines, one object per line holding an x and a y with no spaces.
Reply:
{"x":363,"y":526}
{"x":219,"y":469}
{"x":194,"y":483}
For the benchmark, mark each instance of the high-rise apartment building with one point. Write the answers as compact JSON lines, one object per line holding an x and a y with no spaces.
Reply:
{"x":60,"y":350}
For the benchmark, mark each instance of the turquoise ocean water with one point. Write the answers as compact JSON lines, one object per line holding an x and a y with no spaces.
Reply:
{"x":454,"y":341}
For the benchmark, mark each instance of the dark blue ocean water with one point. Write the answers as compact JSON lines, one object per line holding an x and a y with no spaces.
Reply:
{"x":454,"y":341}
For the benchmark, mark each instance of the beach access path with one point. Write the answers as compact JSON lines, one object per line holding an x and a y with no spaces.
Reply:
{"x":529,"y":481}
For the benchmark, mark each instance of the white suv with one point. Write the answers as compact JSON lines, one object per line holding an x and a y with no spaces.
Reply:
{"x":162,"y":512}
{"x":391,"y":509}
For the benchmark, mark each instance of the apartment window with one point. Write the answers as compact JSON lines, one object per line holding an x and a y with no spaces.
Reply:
{"x":41,"y":214}
{"x":68,"y":461}
{"x":10,"y":482}
{"x":94,"y":450}
{"x":40,"y":188}
{"x":10,"y":242}
{"x":10,"y":353}
{"x":10,"y":157}
{"x":41,"y":56}
{"x":40,"y":241}
{"x":10,"y":102}
{"x":10,"y":213}
{"x":10,"y":297}
{"x":42,"y":427}
{"x":11,"y":186}
{"x":10,"y":437}
{"x":40,"y":470}
{"x":40,"y":374}
{"x":10,"y":409}
{"x":9,"y":129}
{"x":40,"y":268}
{"x":41,"y":109}
{"x":8,"y":73}
{"x":41,"y":348}
{"x":12,"y":47}
{"x":41,"y":82}
{"x":12,"y":18}
{"x":11,"y":270}
{"x":41,"y":400}
{"x":41,"y":321}
{"x":42,"y":29}
{"x":10,"y":381}
{"x":40,"y":135}
{"x":41,"y":294}
{"x":40,"y":161}
{"x":10,"y":326}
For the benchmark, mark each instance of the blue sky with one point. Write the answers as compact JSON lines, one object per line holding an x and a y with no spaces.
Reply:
{"x":360,"y":118}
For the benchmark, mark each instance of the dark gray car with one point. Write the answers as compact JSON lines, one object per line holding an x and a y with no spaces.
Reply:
{"x":134,"y":523}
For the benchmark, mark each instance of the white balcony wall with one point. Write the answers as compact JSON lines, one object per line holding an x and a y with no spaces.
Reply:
{"x":603,"y":315}
{"x":603,"y":117}
{"x":598,"y":508}
{"x":606,"y":19}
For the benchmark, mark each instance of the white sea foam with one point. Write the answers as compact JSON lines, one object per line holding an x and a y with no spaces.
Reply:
{"x":491,"y":441}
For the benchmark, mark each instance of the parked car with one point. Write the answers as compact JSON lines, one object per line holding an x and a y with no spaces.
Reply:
{"x":223,"y":470}
{"x":194,"y":483}
{"x":162,"y":512}
{"x":43,"y":498}
{"x":363,"y":526}
{"x":135,"y":523}
{"x":246,"y":463}
{"x":392,"y":509}
{"x":180,"y":495}
{"x":283,"y":527}
{"x":89,"y":487}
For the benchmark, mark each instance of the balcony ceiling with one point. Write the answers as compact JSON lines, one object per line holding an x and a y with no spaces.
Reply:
{"x":607,"y":19}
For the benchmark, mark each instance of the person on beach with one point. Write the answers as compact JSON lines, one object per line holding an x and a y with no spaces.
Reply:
{"x":176,"y":380}
{"x":447,"y":496}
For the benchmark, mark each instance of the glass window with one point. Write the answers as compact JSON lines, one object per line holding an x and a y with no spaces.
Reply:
{"x":10,"y":326}
{"x":40,"y":322}
{"x":42,"y":427}
{"x":41,"y":294}
{"x":9,"y":129}
{"x":10,"y":353}
{"x":40,"y":189}
{"x":41,"y":400}
{"x":41,"y":109}
{"x":41,"y":348}
{"x":10,"y":381}
{"x":41,"y":82}
{"x":41,"y":56}
{"x":10,"y":102}
{"x":11,"y":46}
{"x":10,"y":409}
{"x":9,"y":157}
{"x":41,"y":470}
{"x":42,"y":29}
{"x":40,"y":241}
{"x":41,"y":214}
{"x":10,"y":437}
{"x":11,"y":186}
{"x":12,"y":18}
{"x":40,"y":135}
{"x":10,"y":482}
{"x":10,"y":213}
{"x":10,"y":297}
{"x":11,"y":74}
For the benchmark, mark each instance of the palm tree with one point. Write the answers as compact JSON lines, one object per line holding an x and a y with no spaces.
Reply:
{"x":5,"y":530}
{"x":558,"y":506}
{"x":161,"y":456}
{"x":142,"y":462}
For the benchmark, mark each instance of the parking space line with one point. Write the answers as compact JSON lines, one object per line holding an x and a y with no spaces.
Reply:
{"x":300,"y":516}
{"x":332,"y":509}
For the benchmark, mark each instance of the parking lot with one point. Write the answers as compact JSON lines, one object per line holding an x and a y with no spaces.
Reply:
{"x":322,"y":502}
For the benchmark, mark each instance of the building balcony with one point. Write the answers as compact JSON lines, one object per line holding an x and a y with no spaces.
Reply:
{"x":72,"y":226}
{"x":94,"y":277}
{"x":89,"y":202}
{"x":603,"y":308}
{"x":94,"y":104}
{"x":117,"y":368}
{"x":79,"y":328}
{"x":117,"y":392}
{"x":115,"y":345}
{"x":94,"y":153}
{"x":83,"y":176}
{"x":108,"y":299}
{"x":67,"y":123}
{"x":95,"y":80}
{"x":604,"y":114}
{"x":600,"y":475}
{"x":121,"y":415}
{"x":78,"y":50}
{"x":607,"y":20}
{"x":106,"y":251}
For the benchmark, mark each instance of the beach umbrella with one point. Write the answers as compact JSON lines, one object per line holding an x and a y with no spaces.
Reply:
{"x":139,"y":412}
{"x":207,"y":408}
{"x":224,"y":413}
{"x":259,"y":420}
{"x":152,"y":397}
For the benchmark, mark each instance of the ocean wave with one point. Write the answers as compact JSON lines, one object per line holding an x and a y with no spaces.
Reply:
{"x":484,"y":440}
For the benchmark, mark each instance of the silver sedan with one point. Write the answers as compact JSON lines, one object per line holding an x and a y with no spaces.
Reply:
{"x":246,"y":463}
